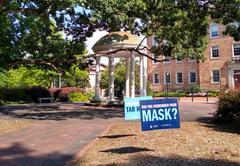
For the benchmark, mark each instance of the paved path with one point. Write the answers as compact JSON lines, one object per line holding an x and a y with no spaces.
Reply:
{"x":59,"y":132}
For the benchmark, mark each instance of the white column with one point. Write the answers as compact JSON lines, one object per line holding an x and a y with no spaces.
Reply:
{"x":111,"y":78}
{"x":97,"y":79}
{"x":127,"y":77}
{"x":141,"y":76}
{"x":132,"y":74}
{"x":60,"y":81}
{"x":144,"y":76}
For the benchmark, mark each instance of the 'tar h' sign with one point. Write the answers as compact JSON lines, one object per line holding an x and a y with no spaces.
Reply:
{"x":132,"y":107}
{"x":159,"y":114}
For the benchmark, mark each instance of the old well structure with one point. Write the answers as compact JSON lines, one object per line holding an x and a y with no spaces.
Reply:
{"x":121,"y":45}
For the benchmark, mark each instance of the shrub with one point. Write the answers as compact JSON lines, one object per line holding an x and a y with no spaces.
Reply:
{"x":14,"y":94}
{"x":1,"y":103}
{"x":170,"y":94}
{"x":38,"y":92}
{"x":63,"y":93}
{"x":195,"y":88}
{"x":79,"y":96}
{"x":149,"y":90}
{"x":228,"y":106}
{"x":213,"y":93}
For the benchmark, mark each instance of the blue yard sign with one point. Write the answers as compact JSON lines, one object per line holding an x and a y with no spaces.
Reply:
{"x":159,"y":114}
{"x":132,"y":107}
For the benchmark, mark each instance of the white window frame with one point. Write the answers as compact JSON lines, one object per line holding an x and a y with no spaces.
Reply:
{"x":177,"y":78}
{"x":212,"y":52}
{"x":189,"y":80}
{"x":153,"y":79}
{"x":153,"y":60}
{"x":166,"y":62}
{"x":233,"y":55}
{"x":154,"y":43}
{"x":192,"y":60}
{"x":211,"y":25}
{"x":165,"y":78}
{"x":178,"y":61}
{"x":212,"y":80}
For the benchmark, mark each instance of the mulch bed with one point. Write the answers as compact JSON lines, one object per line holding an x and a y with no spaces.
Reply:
{"x":194,"y":144}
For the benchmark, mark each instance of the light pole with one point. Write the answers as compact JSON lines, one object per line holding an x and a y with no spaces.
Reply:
{"x":167,"y":75}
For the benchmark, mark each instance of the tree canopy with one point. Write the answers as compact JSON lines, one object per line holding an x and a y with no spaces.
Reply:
{"x":52,"y":32}
{"x":179,"y":26}
{"x":48,"y":33}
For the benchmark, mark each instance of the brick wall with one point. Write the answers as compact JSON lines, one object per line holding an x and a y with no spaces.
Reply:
{"x":203,"y":69}
{"x":225,"y":44}
{"x":172,"y":67}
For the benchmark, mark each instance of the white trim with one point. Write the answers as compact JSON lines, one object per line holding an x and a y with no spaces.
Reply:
{"x":231,"y":69}
{"x":165,"y":78}
{"x":212,"y":76}
{"x":177,"y":77}
{"x":214,"y":37}
{"x":233,"y":50}
{"x":154,"y":63}
{"x":178,"y":61}
{"x":189,"y":77}
{"x":212,"y":52}
{"x":166,"y":62}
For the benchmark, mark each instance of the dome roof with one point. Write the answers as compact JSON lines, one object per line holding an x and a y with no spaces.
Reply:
{"x":116,"y":40}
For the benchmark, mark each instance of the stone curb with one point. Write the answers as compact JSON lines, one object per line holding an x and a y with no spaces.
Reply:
{"x":88,"y":146}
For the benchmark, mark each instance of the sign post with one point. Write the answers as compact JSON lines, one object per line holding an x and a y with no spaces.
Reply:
{"x":159,"y":114}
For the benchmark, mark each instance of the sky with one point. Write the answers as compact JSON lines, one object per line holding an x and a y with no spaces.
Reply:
{"x":92,"y":40}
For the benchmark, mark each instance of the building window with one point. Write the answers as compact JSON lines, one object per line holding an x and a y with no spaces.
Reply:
{"x":155,"y":57}
{"x":179,"y":78}
{"x":236,"y":50}
{"x":179,"y":58}
{"x":167,"y":78}
{"x":156,"y":79}
{"x":215,"y":52}
{"x":166,"y":59}
{"x":192,"y":58}
{"x":154,"y":42}
{"x":192,"y":77}
{"x":214,"y":31}
{"x":215,"y":76}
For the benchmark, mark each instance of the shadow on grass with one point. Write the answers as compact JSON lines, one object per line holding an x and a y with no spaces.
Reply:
{"x":127,"y":150}
{"x":60,"y":112}
{"x":220,"y":126}
{"x":143,"y":160}
{"x":117,"y":136}
{"x":18,"y":155}
{"x":177,"y":161}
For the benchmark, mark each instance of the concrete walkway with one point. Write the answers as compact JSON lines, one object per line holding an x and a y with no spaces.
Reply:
{"x":60,"y":131}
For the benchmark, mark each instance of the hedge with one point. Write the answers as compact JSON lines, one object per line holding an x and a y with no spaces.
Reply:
{"x":80,"y":97}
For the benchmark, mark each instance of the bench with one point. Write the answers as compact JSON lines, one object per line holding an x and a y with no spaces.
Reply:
{"x":45,"y":98}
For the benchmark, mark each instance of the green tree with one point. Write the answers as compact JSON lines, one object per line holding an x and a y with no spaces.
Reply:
{"x":77,"y":77}
{"x":47,"y":33}
{"x":28,"y":77}
{"x":3,"y":79}
{"x":179,"y":26}
{"x":52,"y":33}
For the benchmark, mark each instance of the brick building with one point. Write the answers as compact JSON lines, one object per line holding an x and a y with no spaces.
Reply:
{"x":220,"y":70}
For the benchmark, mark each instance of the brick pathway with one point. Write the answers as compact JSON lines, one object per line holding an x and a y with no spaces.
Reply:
{"x":60,"y":131}
{"x":52,"y":142}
